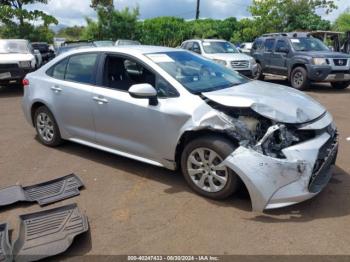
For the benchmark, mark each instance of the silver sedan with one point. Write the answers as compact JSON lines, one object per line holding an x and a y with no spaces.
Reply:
{"x":174,"y":109}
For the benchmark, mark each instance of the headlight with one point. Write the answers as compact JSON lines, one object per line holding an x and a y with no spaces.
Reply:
{"x":24,"y":64}
{"x":319,"y":61}
{"x":221,"y":62}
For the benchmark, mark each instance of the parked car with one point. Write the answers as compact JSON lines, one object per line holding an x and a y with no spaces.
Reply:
{"x":122,"y":42}
{"x":224,"y":53}
{"x":45,"y":51}
{"x":70,"y":45}
{"x":302,"y":59}
{"x":103,"y":43}
{"x":175,"y":109}
{"x":245,"y":48}
{"x":16,"y":60}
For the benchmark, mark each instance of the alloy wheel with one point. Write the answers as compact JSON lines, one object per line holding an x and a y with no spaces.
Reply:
{"x":45,"y":127}
{"x":206,"y":170}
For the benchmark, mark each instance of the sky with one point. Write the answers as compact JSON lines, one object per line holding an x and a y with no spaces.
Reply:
{"x":72,"y":12}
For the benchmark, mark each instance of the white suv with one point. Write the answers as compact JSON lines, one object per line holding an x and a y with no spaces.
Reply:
{"x":223,"y":52}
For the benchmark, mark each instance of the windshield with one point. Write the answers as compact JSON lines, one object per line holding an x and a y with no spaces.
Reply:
{"x":219,"y":47}
{"x":128,"y":42}
{"x":14,"y":46}
{"x":308,"y":44}
{"x":195,"y":73}
{"x":104,"y":43}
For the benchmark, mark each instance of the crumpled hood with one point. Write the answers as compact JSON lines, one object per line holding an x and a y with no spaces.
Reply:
{"x":230,"y":57}
{"x":279,"y":103}
{"x":15,"y":58}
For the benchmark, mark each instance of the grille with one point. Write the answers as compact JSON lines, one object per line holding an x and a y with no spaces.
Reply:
{"x":8,"y":66}
{"x":340,"y":62}
{"x":240,"y":64}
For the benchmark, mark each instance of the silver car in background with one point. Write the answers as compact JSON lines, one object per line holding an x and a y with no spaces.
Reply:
{"x":175,"y":109}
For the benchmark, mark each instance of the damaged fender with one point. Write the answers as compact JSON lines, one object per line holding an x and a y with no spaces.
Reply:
{"x":263,"y":175}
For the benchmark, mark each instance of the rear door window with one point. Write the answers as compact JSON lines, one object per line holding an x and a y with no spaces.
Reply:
{"x":269,"y":44}
{"x":280,"y":44}
{"x":81,"y":68}
{"x":58,"y":71}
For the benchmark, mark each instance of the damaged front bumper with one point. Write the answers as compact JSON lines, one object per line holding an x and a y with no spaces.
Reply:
{"x":274,"y":183}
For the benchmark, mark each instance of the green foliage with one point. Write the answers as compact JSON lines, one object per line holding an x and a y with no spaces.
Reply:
{"x":342,"y":23}
{"x":291,"y":15}
{"x":167,"y":31}
{"x":16,"y":20}
{"x":112,"y":24}
{"x":71,"y":33}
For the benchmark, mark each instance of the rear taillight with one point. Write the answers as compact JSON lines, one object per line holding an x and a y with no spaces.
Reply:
{"x":25,"y":82}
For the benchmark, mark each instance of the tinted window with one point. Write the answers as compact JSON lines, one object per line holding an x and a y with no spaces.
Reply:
{"x":219,"y":47}
{"x":258,"y":44}
{"x":308,"y":44}
{"x":81,"y":68}
{"x":269,"y":43}
{"x":281,"y":44}
{"x":58,"y":71}
{"x":188,"y":45}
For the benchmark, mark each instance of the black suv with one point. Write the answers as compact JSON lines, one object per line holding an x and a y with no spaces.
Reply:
{"x":44,"y":50}
{"x":302,"y":58}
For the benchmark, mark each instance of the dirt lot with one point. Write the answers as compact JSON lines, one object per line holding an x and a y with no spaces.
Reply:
{"x":134,"y":208}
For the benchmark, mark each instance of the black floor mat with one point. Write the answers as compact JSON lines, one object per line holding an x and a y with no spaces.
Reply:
{"x":43,"y":193}
{"x":5,"y":247}
{"x":48,"y":233}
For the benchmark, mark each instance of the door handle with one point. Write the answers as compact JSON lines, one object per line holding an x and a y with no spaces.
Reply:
{"x":100,"y":100}
{"x":56,"y":89}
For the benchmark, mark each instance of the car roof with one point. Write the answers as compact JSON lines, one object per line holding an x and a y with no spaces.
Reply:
{"x":207,"y":40}
{"x":139,"y":49}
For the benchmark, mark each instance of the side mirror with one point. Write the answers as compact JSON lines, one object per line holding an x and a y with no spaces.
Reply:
{"x":283,"y":50}
{"x":144,"y":91}
{"x":197,"y":50}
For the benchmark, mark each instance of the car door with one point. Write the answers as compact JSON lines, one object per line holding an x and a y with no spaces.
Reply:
{"x":267,"y":55}
{"x":279,"y":58}
{"x":71,"y":84}
{"x":132,"y":126}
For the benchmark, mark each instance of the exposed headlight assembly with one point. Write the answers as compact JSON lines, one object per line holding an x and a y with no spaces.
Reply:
{"x":24,"y":64}
{"x":221,"y":62}
{"x":319,"y":61}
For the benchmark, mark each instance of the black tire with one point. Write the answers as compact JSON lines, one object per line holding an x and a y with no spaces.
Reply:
{"x":56,"y":139}
{"x":221,"y":147}
{"x":259,"y":74}
{"x":340,"y":85}
{"x":299,"y":78}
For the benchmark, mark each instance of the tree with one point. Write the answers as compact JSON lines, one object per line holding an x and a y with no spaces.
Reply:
{"x":290,"y":15}
{"x":342,"y":23}
{"x":71,"y":33}
{"x":13,"y":12}
{"x":112,"y":24}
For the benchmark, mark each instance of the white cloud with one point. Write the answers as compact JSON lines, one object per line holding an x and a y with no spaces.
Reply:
{"x":73,"y":12}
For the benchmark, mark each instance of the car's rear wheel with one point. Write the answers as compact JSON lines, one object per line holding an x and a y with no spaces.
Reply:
{"x":299,"y":78}
{"x":259,"y":73}
{"x":340,"y":85}
{"x":201,"y":164}
{"x":46,"y":127}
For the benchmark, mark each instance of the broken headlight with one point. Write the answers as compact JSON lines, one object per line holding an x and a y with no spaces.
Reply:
{"x":275,"y":140}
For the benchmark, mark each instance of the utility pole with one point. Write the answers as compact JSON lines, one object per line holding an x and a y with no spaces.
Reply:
{"x":198,"y":8}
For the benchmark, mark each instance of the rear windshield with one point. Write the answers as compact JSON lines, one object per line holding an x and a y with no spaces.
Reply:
{"x":14,"y":46}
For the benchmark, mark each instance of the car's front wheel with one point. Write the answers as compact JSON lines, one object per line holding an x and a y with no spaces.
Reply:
{"x":46,"y":127}
{"x":202,"y":166}
{"x":299,"y":78}
{"x":340,"y":85}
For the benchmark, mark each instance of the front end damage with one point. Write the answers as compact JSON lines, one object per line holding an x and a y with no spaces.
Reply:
{"x":280,"y":163}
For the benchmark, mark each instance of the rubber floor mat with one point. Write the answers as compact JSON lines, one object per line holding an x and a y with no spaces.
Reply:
{"x":5,"y":247}
{"x":43,"y":193}
{"x":48,"y":233}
